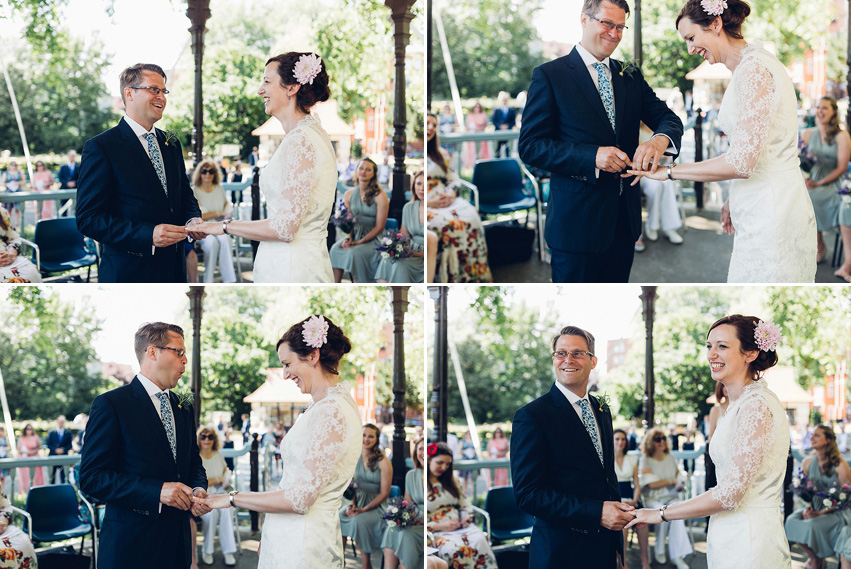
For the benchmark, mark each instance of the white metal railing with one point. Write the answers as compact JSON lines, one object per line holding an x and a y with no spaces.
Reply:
{"x":453,"y":142}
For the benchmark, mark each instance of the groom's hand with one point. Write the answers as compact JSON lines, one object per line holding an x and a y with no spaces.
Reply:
{"x":199,"y":508}
{"x":165,"y":234}
{"x":647,"y":155}
{"x":176,"y":495}
{"x":195,"y":234}
{"x":616,"y":515}
{"x":611,"y":159}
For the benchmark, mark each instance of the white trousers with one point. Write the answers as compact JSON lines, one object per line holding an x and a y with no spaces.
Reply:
{"x":662,"y":212}
{"x":675,"y":531}
{"x":221,"y":519}
{"x":217,"y":250}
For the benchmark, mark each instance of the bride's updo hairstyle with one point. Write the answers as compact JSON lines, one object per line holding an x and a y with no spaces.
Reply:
{"x":330,"y":353}
{"x":732,"y":17}
{"x":310,"y":93}
{"x":745,"y":326}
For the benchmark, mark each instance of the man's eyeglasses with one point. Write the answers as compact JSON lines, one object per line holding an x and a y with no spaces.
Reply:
{"x":158,"y":91}
{"x":607,"y":24}
{"x":207,"y":171}
{"x":207,"y":437}
{"x":180,"y":353}
{"x":575,"y":354}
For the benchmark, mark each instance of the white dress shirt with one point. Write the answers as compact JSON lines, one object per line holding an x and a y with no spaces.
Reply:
{"x":574,"y":400}
{"x":152,"y":390}
{"x":140,"y":133}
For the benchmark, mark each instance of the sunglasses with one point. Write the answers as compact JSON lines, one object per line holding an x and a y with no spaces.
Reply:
{"x":207,"y":437}
{"x":658,"y":439}
{"x":207,"y":171}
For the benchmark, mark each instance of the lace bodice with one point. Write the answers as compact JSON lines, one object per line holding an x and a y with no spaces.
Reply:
{"x":755,"y":113}
{"x":749,"y":450}
{"x":300,"y":182}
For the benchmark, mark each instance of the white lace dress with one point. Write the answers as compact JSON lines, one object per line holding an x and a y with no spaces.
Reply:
{"x":299,"y":184}
{"x":775,"y":239}
{"x":749,"y":449}
{"x":318,"y":455}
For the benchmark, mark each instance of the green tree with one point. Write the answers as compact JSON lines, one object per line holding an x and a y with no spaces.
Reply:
{"x":46,"y":355}
{"x":492,"y":44}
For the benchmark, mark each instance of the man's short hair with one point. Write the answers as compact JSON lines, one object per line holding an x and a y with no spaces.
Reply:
{"x":576,"y":331}
{"x":593,"y":6}
{"x":132,"y":76}
{"x":153,"y":334}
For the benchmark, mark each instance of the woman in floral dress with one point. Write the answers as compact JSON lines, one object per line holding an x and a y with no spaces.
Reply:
{"x":462,"y":250}
{"x":16,"y":549}
{"x":448,"y":511}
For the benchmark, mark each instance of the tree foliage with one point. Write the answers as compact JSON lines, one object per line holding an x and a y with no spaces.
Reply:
{"x":47,"y":351}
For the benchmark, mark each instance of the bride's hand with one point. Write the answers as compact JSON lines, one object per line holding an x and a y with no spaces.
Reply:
{"x":208,"y":228}
{"x":726,"y":220}
{"x":214,"y":501}
{"x":661,"y":174}
{"x":645,"y":516}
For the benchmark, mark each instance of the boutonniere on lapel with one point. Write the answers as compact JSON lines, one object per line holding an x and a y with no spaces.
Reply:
{"x":603,"y":402}
{"x":184,"y":398}
{"x":628,"y":68}
{"x":170,"y":137}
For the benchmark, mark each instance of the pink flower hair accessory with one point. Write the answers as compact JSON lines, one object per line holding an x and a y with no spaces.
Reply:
{"x":714,"y":7}
{"x":767,"y":335}
{"x":307,"y":68}
{"x":315,"y":332}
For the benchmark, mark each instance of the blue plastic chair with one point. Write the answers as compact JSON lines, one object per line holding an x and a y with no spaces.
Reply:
{"x":502,"y":190}
{"x":59,"y":247}
{"x":508,"y":522}
{"x":55,"y":514}
{"x":391,"y":224}
{"x":395,"y":491}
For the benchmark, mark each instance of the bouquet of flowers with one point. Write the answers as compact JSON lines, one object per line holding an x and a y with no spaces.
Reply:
{"x":844,"y":190}
{"x":394,"y":245}
{"x":400,"y":513}
{"x":808,"y":159}
{"x":833,"y":497}
{"x":343,"y":218}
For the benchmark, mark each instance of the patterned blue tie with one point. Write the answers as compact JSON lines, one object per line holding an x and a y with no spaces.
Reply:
{"x":156,"y":159}
{"x":168,"y":422}
{"x":588,"y":419}
{"x":608,"y":98}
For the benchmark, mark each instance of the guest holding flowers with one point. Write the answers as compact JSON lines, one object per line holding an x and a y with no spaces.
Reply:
{"x":361,"y":520}
{"x":369,"y":204}
{"x":816,"y":528}
{"x":408,"y":269}
{"x":449,"y":512}
{"x":404,"y":546}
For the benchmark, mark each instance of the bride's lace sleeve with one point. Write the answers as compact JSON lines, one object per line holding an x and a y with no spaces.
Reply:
{"x":324,"y":449}
{"x":752,"y":438}
{"x":300,"y":174}
{"x":755,"y":96}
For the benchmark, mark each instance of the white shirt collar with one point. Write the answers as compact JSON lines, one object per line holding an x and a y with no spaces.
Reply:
{"x":587,"y":58}
{"x":138,"y":130}
{"x":150,"y":387}
{"x":572,"y":398}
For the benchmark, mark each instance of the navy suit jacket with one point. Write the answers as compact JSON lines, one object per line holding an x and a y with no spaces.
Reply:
{"x":126,"y":460}
{"x":65,"y":176}
{"x":54,"y":442}
{"x":564,"y":123}
{"x":558,"y":479}
{"x":120,"y":200}
{"x":508,"y":118}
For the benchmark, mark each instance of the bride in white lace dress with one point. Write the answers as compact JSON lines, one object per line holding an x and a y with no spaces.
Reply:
{"x":768,"y":210}
{"x":318,"y":456}
{"x":749,"y":449}
{"x":300,"y":181}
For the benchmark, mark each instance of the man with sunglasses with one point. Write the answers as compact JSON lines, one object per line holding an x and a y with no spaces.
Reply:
{"x":563,"y":466}
{"x":141,"y":457}
{"x":134,"y":196}
{"x":581,"y":124}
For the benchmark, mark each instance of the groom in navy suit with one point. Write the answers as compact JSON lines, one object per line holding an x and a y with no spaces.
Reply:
{"x":134,"y":196}
{"x":581,"y":123}
{"x":141,"y":458}
{"x":563,"y":466}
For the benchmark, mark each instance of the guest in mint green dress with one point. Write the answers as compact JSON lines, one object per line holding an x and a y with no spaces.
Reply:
{"x":405,"y":545}
{"x":361,"y":520}
{"x":832,"y":147}
{"x":410,"y":269}
{"x":817,"y":529}
{"x":368,"y":204}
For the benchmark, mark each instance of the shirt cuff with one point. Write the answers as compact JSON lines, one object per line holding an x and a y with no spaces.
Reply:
{"x":671,"y":150}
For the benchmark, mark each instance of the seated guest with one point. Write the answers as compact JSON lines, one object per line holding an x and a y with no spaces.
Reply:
{"x":16,"y":549}
{"x":626,"y":469}
{"x":368,"y":203}
{"x":818,"y":529}
{"x":361,"y":520}
{"x":661,"y":481}
{"x":13,"y":267}
{"x":206,"y":184}
{"x":463,"y":255}
{"x":404,"y":546}
{"x":448,"y":512}
{"x":218,"y":479}
{"x":662,"y":212}
{"x":410,"y":269}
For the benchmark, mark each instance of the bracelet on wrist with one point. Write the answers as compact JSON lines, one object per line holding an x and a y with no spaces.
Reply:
{"x":662,"y":512}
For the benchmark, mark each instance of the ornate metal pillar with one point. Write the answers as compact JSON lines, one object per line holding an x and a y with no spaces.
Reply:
{"x":400,"y":306}
{"x":198,"y":13}
{"x":428,"y":54}
{"x":401,"y":15}
{"x":648,"y":305}
{"x":440,"y":377}
{"x":636,"y":45}
{"x":196,"y":296}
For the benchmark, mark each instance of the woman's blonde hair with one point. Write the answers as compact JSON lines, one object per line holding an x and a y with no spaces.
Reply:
{"x":375,"y":453}
{"x":832,"y":451}
{"x":212,"y":431}
{"x":647,"y":442}
{"x":417,"y":174}
{"x":196,"y":174}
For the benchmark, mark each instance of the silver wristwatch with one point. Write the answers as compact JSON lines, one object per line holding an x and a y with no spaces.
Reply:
{"x":231,"y":494}
{"x":225,"y":225}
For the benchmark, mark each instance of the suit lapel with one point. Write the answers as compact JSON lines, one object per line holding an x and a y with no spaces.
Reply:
{"x":141,"y":162}
{"x":179,"y":425}
{"x":587,"y":87}
{"x":170,"y":174}
{"x":619,"y":91}
{"x":152,"y":418}
{"x":604,"y":432}
{"x":567,"y":414}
